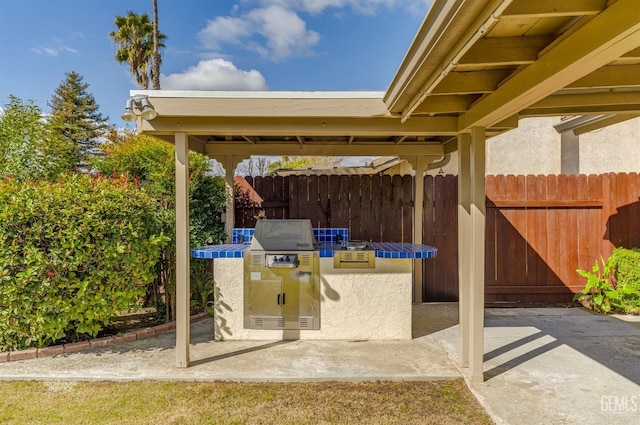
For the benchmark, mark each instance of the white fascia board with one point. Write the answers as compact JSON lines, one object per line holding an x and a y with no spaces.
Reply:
{"x":261,"y":94}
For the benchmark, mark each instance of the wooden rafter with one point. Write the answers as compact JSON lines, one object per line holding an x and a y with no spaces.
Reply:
{"x":471,"y":82}
{"x":446,"y":104}
{"x":500,"y":51}
{"x":554,"y":8}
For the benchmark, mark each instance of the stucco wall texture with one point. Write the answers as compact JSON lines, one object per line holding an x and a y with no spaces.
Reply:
{"x":535,"y":147}
{"x":355,"y":304}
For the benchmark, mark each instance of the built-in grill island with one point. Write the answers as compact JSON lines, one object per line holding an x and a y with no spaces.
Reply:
{"x":287,"y":280}
{"x":281,"y":277}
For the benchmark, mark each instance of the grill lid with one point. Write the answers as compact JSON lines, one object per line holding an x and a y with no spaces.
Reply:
{"x":283,"y":235}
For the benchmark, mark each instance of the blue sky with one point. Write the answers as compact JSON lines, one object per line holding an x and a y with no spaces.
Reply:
{"x":211,"y":45}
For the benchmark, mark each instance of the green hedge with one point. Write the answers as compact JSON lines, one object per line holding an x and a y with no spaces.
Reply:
{"x":626,"y":265}
{"x":72,"y":255}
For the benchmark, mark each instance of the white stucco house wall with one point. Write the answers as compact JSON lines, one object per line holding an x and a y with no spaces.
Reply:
{"x":536,"y":147}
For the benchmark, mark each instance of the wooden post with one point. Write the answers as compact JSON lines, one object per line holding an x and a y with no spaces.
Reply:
{"x":229,"y":163}
{"x":229,"y":170}
{"x":183,"y":290}
{"x":418,"y":211}
{"x":464,"y":245}
{"x":478,"y":218}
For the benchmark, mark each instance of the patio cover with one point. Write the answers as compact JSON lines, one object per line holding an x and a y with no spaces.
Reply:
{"x":473,"y":70}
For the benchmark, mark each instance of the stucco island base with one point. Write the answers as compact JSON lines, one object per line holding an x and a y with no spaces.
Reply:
{"x":355,"y":304}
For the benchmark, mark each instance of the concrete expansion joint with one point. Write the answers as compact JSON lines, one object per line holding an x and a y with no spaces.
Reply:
{"x":57,"y":350}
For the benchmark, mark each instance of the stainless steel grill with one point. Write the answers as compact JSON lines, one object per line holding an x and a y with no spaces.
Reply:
{"x":281,"y":277}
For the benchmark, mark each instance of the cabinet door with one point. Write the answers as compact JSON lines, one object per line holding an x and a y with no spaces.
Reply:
{"x":305,"y":293}
{"x":264,"y":297}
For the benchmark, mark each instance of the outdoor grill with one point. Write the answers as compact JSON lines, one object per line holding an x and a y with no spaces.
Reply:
{"x":281,"y":277}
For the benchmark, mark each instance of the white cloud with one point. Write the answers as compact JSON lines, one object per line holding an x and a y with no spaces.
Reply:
{"x":224,"y":30}
{"x":283,"y":33}
{"x":359,"y":6}
{"x":214,"y":74}
{"x":53,"y":51}
{"x":55,"y":48}
{"x":275,"y":30}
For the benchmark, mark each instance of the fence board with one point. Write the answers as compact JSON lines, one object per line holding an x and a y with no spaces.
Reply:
{"x":552,"y":235}
{"x":343,"y":206}
{"x":313,"y":209}
{"x":376,"y":208}
{"x":366,"y":217}
{"x":279,"y":197}
{"x":490,"y":233}
{"x":531,"y":236}
{"x":385,"y":224}
{"x":541,"y":231}
{"x":302,"y":197}
{"x":355,"y":208}
{"x":440,"y":240}
{"x":267,"y":196}
{"x":293,"y":197}
{"x":395,"y":210}
{"x":323,"y":201}
{"x":407,"y":209}
{"x":564,"y":236}
{"x":450,"y":256}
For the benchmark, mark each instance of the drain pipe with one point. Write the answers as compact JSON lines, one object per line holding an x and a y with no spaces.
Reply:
{"x":453,"y":61}
{"x":439,"y":164}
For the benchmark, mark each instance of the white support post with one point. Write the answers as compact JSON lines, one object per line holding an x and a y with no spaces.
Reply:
{"x":421,"y":164}
{"x":478,"y":217}
{"x":229,"y":163}
{"x":183,"y":290}
{"x":229,"y":170}
{"x":464,"y":243}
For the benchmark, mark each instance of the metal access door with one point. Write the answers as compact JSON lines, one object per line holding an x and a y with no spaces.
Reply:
{"x":281,"y":297}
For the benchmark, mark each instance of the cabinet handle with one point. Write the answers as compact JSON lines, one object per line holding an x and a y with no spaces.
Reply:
{"x":278,"y":299}
{"x":283,"y":295}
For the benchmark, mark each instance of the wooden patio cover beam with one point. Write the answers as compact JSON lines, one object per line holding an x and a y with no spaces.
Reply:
{"x":302,"y":126}
{"x":605,"y":38}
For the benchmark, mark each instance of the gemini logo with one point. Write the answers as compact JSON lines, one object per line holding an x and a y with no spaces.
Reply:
{"x":616,"y":403}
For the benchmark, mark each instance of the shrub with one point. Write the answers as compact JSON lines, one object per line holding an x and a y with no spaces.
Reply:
{"x":73,"y":254}
{"x":626,"y":263}
{"x":615,"y":286}
{"x":599,"y":293}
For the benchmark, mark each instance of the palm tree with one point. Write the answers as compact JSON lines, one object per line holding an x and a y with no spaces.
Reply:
{"x":134,"y":37}
{"x":156,"y":59}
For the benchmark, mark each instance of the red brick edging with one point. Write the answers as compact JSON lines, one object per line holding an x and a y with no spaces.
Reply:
{"x":56,"y":350}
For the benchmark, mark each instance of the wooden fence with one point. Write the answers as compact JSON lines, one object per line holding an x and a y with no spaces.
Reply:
{"x":539,"y":229}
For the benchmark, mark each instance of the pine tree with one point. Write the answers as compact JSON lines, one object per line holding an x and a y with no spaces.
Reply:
{"x":76,"y":117}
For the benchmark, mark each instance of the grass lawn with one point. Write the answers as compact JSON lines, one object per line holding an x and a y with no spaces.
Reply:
{"x":442,"y":402}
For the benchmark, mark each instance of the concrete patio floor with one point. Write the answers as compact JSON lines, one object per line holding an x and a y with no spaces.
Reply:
{"x":542,"y":365}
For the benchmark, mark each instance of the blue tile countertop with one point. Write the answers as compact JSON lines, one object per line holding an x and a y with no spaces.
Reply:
{"x":326,"y":249}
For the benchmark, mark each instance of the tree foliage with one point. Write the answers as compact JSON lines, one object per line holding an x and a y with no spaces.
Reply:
{"x":29,"y":149}
{"x":297,"y":162}
{"x":73,"y":254}
{"x":134,"y":36}
{"x":75,"y":116}
{"x":152,"y":162}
